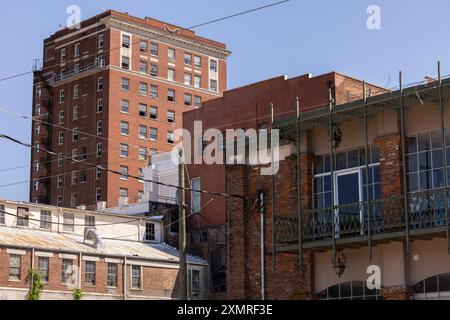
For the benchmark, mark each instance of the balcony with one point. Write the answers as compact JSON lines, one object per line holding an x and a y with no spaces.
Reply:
{"x":426,"y":215}
{"x":82,"y":71}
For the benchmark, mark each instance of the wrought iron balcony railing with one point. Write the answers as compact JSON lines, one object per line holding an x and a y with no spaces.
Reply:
{"x":98,"y":64}
{"x":425,"y":210}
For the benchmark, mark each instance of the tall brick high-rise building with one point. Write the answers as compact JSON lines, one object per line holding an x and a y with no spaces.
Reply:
{"x":111,"y":93}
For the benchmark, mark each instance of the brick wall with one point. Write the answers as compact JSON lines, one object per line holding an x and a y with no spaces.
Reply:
{"x":390,"y":165}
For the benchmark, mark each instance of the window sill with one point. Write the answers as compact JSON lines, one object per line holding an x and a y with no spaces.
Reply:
{"x":15,"y":280}
{"x":114,"y":288}
{"x":136,"y":289}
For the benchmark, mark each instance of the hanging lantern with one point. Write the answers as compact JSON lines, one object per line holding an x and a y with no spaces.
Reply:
{"x":337,"y":138}
{"x":339,"y":261}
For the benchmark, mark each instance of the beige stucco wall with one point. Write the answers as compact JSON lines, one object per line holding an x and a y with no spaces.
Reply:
{"x":425,"y":118}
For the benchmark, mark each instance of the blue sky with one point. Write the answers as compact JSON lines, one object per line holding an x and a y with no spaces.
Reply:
{"x":294,"y":38}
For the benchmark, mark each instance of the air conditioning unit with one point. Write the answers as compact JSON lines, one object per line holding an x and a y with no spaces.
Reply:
{"x":101,"y":206}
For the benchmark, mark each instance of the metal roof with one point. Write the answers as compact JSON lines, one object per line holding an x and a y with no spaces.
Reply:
{"x":69,"y":243}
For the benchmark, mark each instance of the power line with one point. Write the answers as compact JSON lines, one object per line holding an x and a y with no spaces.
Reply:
{"x":119,"y":173}
{"x":157,"y":37}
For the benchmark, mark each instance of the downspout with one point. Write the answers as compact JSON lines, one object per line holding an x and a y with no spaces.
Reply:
{"x":32,"y":266}
{"x":80,"y":259}
{"x":124,"y":278}
{"x":262,"y":239}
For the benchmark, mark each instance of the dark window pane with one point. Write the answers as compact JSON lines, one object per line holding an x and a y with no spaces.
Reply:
{"x":418,"y":287}
{"x":341,"y":161}
{"x":333,"y":292}
{"x":323,"y":295}
{"x":413,"y":182}
{"x":368,"y":292}
{"x":444,"y":282}
{"x":424,"y":142}
{"x":318,"y":201}
{"x":327,"y":200}
{"x":377,"y":191}
{"x":358,"y":288}
{"x":437,"y":159}
{"x":318,"y":165}
{"x":431,"y":284}
{"x":425,"y":180}
{"x":424,"y":161}
{"x":375,"y":154}
{"x":376,"y":174}
{"x":438,"y":178}
{"x":327,"y":183}
{"x":318,"y":185}
{"x":412,"y":163}
{"x":326,"y":163}
{"x":353,"y":159}
{"x":447,"y":137}
{"x":346,"y":290}
{"x":411,"y":145}
{"x":362,"y":157}
{"x":363,"y":173}
{"x":436,"y":140}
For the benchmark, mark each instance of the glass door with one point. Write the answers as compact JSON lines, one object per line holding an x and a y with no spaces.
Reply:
{"x":348,"y":213}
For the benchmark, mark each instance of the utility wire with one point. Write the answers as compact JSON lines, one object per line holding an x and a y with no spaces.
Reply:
{"x":157,"y":37}
{"x":118,"y":172}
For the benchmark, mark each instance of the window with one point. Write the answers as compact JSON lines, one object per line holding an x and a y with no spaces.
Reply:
{"x":89,"y":273}
{"x":76,"y":91}
{"x":197,"y":101}
{"x":14,"y":267}
{"x":143,"y":46}
{"x":187,"y":79}
{"x":89,"y":221}
{"x":73,"y":177}
{"x":98,"y":173}
{"x":100,"y":40}
{"x":61,"y":95}
{"x":60,"y":159}
{"x":83,"y":176}
{"x":187,"y":99}
{"x":154,"y":49}
{"x":170,"y":116}
{"x":197,"y":81}
{"x":140,"y":195}
{"x":142,"y":110}
{"x":136,"y":281}
{"x":124,"y":106}
{"x":99,"y":127}
{"x":124,"y":128}
{"x":98,"y":194}
{"x":141,"y":174}
{"x":213,"y":85}
{"x":99,"y":105}
{"x":38,"y":92}
{"x":43,"y":264}
{"x":188,"y":58}
{"x":75,"y":113}
{"x":73,"y":200}
{"x":170,"y":137}
{"x":171,"y":95}
{"x":126,"y":41}
{"x":125,"y":84}
{"x":36,"y":165}
{"x":142,"y":88}
{"x":195,"y":195}
{"x":37,"y":111}
{"x":77,"y":50}
{"x":37,"y":147}
{"x":212,"y":65}
{"x":124,"y":172}
{"x":67,"y":271}
{"x":59,"y":181}
{"x":75,"y":134}
{"x":37,"y":128}
{"x":46,"y":219}
{"x":142,"y":132}
{"x":149,"y":231}
{"x":197,"y":61}
{"x":195,"y":282}
{"x":112,"y":275}
{"x":63,"y":54}
{"x":125,"y":62}
{"x":83,"y":154}
{"x":123,"y":150}
{"x":142,"y":154}
{"x":153,"y":91}
{"x":2,"y":214}
{"x":143,"y":67}
{"x":153,"y":134}
{"x":62,"y":73}
{"x":154,"y":70}
{"x":354,"y":290}
{"x":59,"y":201}
{"x":60,"y":137}
{"x":98,"y":150}
{"x":171,"y":74}
{"x":22,"y":217}
{"x":68,"y":222}
{"x":123,"y":193}
{"x":171,"y":53}
{"x":76,"y":68}
{"x":36,"y":185}
{"x":100,"y":84}
{"x":153,"y":112}
{"x":61,"y":117}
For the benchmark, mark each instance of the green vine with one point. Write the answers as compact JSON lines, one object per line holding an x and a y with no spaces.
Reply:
{"x":36,"y":285}
{"x":77,"y":294}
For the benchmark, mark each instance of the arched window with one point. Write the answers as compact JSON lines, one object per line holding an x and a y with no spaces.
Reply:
{"x":354,"y":290}
{"x":433,"y":288}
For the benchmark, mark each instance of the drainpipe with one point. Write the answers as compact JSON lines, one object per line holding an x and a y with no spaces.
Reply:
{"x":262,"y":214}
{"x":32,"y":266}
{"x":80,"y":259}
{"x":124,"y":278}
